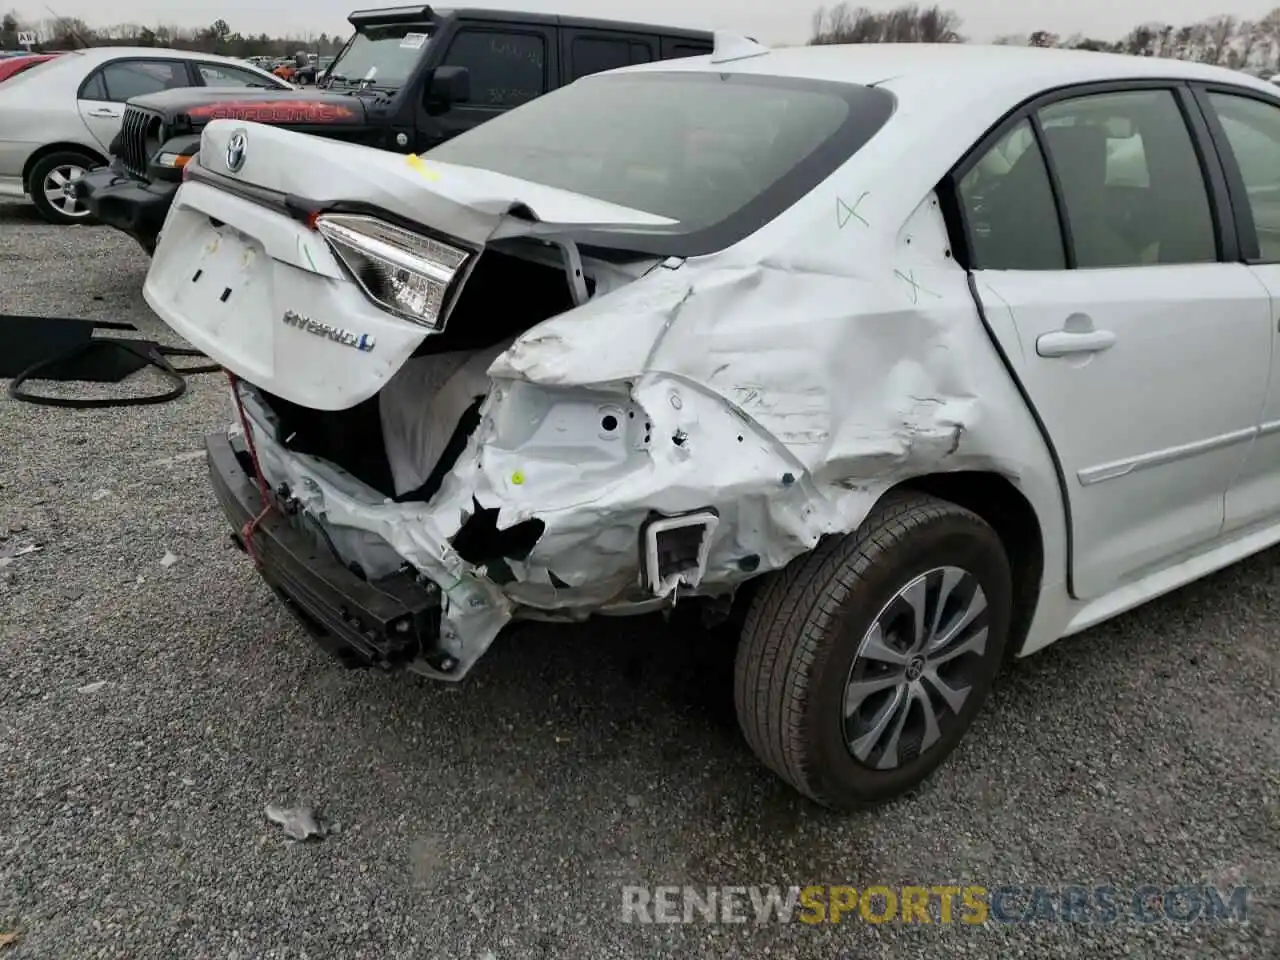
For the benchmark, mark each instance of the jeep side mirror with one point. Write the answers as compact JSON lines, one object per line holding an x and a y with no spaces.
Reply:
{"x":447,"y":86}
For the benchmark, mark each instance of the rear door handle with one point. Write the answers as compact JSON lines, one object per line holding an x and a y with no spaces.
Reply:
{"x":1078,"y":335}
{"x":103,"y":114}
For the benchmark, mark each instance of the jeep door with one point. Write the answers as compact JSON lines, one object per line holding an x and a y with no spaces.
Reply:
{"x":510,"y":63}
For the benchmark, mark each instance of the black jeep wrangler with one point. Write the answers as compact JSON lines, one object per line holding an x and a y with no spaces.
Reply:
{"x":408,"y":79}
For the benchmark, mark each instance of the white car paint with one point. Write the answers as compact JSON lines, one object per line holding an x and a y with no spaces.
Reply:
{"x":44,"y":106}
{"x":842,"y":352}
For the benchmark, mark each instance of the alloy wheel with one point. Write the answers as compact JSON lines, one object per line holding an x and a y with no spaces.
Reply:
{"x":59,"y":190}
{"x":914,"y":668}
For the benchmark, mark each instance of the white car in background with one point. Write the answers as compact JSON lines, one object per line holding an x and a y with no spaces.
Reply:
{"x":58,"y":118}
{"x":913,"y":374}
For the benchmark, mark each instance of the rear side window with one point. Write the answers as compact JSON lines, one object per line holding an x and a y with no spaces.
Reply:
{"x":94,"y":88}
{"x":1132,"y":186}
{"x":597,"y":54}
{"x":507,"y":68}
{"x":222,"y":75}
{"x":126,"y":79}
{"x":1252,"y":129}
{"x":1008,"y":206}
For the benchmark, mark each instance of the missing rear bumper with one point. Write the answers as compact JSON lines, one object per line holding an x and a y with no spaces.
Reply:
{"x":386,"y":623}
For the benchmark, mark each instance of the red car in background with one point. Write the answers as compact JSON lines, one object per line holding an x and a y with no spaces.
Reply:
{"x":11,"y":65}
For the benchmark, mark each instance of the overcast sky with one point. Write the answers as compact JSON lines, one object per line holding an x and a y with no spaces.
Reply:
{"x":772,"y":22}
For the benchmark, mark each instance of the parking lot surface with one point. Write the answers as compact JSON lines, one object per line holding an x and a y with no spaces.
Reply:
{"x":149,"y":712}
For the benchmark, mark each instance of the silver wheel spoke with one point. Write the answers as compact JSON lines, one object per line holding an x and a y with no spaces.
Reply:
{"x":955,"y":697}
{"x":889,"y":756}
{"x":976,"y":607}
{"x":932,"y":733}
{"x":951,"y":578}
{"x":863,"y":746}
{"x":917,"y":597}
{"x":856,"y":693}
{"x":57,"y":179}
{"x":975,"y":644}
{"x":874,"y":648}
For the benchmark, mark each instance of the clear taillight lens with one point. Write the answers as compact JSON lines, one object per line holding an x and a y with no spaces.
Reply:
{"x":403,"y":272}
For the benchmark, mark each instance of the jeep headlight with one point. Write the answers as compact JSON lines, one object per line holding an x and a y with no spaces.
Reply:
{"x":403,"y":272}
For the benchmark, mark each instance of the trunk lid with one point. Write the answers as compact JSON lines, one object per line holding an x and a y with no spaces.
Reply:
{"x":265,"y":296}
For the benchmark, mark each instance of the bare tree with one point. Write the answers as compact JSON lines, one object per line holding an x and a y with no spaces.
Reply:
{"x":905,"y":24}
{"x":1218,"y":33}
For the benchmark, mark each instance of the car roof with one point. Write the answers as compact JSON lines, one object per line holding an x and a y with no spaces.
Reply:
{"x":960,"y":71}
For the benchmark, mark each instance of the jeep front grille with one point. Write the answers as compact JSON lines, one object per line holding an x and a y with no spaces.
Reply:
{"x":138,"y":139}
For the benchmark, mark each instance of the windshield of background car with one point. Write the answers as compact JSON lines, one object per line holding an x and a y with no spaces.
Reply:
{"x":383,"y":56}
{"x":720,"y":153}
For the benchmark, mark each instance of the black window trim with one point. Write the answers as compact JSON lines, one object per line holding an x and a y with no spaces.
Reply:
{"x":1221,"y":207}
{"x":1250,"y":247}
{"x":100,"y":70}
{"x":547,"y":37}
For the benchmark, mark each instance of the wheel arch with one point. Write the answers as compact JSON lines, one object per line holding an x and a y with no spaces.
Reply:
{"x":1001,"y":504}
{"x":62,"y":146}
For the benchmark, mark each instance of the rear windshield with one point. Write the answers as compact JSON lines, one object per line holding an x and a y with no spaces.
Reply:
{"x":381,"y":56}
{"x":721,"y":154}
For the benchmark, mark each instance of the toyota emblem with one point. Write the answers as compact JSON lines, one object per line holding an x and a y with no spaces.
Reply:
{"x":235,"y":152}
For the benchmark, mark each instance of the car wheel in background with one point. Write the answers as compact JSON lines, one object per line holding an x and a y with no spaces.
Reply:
{"x":49,"y":186}
{"x":863,"y":663}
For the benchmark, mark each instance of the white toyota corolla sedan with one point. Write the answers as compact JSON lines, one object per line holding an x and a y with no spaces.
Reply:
{"x":904,"y":376}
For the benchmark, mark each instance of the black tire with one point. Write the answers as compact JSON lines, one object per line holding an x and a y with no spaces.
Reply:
{"x":148,"y":246}
{"x":41,"y":172}
{"x":805,"y":629}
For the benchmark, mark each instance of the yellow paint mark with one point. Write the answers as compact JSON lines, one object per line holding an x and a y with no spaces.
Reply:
{"x":420,"y":165}
{"x":517,"y":478}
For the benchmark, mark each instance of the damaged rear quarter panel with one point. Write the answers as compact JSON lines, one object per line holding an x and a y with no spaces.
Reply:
{"x":788,"y":387}
{"x":787,"y":383}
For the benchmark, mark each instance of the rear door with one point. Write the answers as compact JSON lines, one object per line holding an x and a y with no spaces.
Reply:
{"x":103,"y":94}
{"x":510,"y":64}
{"x":1246,"y":124}
{"x":1143,"y":350}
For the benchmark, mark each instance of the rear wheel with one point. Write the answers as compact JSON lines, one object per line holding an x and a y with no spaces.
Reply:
{"x":863,"y":663}
{"x":51,"y":186}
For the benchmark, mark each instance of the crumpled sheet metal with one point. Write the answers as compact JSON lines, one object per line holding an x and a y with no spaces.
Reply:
{"x":789,"y":392}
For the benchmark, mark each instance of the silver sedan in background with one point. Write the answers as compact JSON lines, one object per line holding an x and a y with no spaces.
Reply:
{"x":58,"y":118}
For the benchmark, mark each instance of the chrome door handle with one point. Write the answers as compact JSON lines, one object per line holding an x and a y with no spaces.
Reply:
{"x":104,"y":114}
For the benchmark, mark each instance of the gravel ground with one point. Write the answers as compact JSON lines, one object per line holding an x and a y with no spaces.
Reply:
{"x":149,"y":712}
